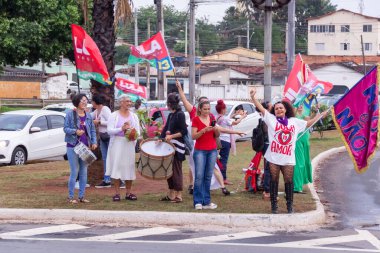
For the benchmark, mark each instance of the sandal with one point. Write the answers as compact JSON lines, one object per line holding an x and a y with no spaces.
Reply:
{"x":166,"y":198}
{"x":177,"y":200}
{"x":72,"y":201}
{"x":116,"y":197}
{"x":225,"y":191}
{"x":83,"y":200}
{"x":131,"y":196}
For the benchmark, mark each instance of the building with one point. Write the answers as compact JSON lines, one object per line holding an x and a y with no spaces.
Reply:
{"x":339,"y":33}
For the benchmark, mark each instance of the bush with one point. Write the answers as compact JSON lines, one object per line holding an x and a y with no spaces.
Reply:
{"x":325,"y":123}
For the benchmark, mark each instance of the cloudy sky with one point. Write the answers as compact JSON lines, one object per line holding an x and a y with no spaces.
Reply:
{"x":215,"y":12}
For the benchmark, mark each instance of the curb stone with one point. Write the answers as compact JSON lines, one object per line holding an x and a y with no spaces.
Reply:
{"x":200,"y":221}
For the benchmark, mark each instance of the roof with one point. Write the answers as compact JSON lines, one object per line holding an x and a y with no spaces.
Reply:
{"x":333,"y":12}
{"x":235,"y":55}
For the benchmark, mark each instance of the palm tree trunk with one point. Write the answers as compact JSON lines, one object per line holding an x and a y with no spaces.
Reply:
{"x":105,"y":37}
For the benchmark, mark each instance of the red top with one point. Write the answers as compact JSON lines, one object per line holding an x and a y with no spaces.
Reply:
{"x":193,"y":113}
{"x":207,"y":140}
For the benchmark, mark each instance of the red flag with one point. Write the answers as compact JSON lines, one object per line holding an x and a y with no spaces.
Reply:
{"x":152,"y":50}
{"x":89,"y":61}
{"x":130,"y":87}
{"x":295,"y":79}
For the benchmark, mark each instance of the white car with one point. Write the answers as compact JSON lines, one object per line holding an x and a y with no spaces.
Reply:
{"x":27,"y":135}
{"x":248,"y":123}
{"x":64,"y":107}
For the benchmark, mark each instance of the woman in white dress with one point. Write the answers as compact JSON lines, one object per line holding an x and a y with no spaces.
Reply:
{"x":121,"y":151}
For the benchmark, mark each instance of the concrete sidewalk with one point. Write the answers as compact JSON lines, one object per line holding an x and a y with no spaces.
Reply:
{"x":203,"y":220}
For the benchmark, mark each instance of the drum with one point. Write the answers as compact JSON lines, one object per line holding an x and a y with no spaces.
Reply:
{"x":84,"y":153}
{"x":156,"y":159}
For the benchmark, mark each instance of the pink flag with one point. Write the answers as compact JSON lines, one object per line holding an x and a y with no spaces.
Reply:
{"x":356,"y":115}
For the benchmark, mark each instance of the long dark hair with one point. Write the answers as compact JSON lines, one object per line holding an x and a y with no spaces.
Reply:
{"x":288,"y":107}
{"x":173,"y":101}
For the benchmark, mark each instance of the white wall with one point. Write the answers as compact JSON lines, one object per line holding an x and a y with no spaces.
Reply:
{"x":338,"y":75}
{"x":54,"y":87}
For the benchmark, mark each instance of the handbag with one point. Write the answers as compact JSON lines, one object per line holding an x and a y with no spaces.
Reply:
{"x":104,"y":137}
{"x":218,"y":143}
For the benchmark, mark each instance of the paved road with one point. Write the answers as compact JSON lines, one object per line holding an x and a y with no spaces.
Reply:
{"x":79,"y":238}
{"x":353,"y":198}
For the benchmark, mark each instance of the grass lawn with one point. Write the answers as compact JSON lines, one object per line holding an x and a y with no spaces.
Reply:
{"x":44,"y":185}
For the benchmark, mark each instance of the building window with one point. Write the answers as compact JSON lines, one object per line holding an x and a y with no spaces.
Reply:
{"x":344,"y":46}
{"x":322,"y":28}
{"x":215,"y":82}
{"x":320,"y":46}
{"x":367,"y":28}
{"x":345,"y":28}
{"x":368,"y":46}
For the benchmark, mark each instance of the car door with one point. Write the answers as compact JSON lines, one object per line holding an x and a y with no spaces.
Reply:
{"x":249,"y":122}
{"x":39,"y":142}
{"x":57,"y":136}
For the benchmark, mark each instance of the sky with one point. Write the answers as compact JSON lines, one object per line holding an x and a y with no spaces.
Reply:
{"x":215,"y":12}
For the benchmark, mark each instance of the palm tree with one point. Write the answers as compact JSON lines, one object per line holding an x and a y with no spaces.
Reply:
{"x":106,"y":15}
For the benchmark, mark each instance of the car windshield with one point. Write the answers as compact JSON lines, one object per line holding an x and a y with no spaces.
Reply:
{"x":13,"y":122}
{"x":213,"y":110}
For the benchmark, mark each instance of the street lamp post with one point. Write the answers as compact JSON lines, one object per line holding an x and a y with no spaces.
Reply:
{"x":268,"y":6}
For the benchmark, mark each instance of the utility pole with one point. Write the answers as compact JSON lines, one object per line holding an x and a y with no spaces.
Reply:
{"x":191,"y":58}
{"x":364,"y":64}
{"x":136,"y":44}
{"x":186,"y":38}
{"x":160,"y":27}
{"x":248,"y":34}
{"x":268,"y":51}
{"x":148,"y":65}
{"x":291,"y":35}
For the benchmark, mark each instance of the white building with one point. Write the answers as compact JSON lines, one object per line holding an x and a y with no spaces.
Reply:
{"x":339,"y":33}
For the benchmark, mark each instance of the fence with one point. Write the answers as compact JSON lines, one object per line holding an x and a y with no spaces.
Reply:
{"x":34,"y":103}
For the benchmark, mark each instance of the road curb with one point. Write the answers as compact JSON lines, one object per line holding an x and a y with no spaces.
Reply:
{"x":202,"y":221}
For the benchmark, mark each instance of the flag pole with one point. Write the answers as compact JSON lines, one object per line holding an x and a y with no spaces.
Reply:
{"x":308,"y":129}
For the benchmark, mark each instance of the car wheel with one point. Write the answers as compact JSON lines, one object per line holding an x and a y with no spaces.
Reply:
{"x":18,"y":156}
{"x":65,"y":157}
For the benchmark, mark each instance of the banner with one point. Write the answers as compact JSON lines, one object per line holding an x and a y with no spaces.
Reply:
{"x":295,"y":79}
{"x":128,"y":87}
{"x":356,"y":116}
{"x":89,"y":61}
{"x":154,"y":51}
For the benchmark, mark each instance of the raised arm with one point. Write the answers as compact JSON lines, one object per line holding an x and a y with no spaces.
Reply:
{"x":316,"y":118}
{"x":185,"y":102}
{"x":257,"y":103}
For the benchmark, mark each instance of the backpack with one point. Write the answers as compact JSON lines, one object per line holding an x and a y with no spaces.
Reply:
{"x":258,"y":137}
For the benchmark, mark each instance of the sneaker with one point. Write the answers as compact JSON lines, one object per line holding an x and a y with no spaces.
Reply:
{"x":77,"y":185}
{"x":103,"y":185}
{"x":122,"y":185}
{"x":210,"y":206}
{"x":198,"y":207}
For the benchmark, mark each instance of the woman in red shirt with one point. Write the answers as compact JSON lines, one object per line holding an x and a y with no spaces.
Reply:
{"x":204,"y":131}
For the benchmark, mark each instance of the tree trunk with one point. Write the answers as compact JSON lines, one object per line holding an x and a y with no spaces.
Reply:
{"x":104,"y":36}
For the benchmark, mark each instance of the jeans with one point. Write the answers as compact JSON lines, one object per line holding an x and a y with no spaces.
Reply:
{"x":267,"y":176}
{"x":224,"y":154}
{"x":104,"y":150}
{"x":77,"y":168}
{"x":204,"y":161}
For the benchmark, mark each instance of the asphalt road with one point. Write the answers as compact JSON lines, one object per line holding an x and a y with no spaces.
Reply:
{"x":352,"y":198}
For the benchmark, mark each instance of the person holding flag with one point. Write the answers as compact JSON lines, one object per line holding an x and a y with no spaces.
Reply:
{"x":283,"y":129}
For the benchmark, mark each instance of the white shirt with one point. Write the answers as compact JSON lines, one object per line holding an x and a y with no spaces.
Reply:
{"x":103,"y":116}
{"x":282,"y":139}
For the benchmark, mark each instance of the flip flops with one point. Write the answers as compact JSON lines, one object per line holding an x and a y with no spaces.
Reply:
{"x":131,"y":196}
{"x":177,"y":200}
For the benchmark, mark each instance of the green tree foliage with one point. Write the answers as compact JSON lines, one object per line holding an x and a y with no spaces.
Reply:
{"x":35,"y":30}
{"x":122,"y":54}
{"x":304,"y":9}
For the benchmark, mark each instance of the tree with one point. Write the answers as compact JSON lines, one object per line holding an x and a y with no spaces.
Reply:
{"x":209,"y":40}
{"x":34,"y":31}
{"x":105,"y":23}
{"x":304,"y":9}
